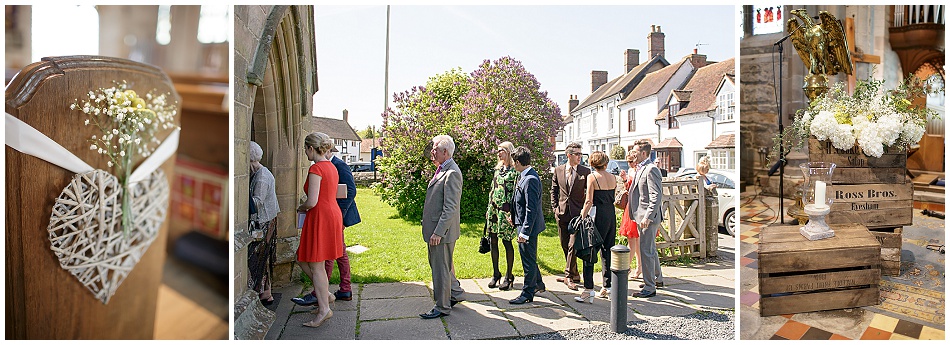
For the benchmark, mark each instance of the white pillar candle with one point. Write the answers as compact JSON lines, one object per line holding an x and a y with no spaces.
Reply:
{"x":820,"y":187}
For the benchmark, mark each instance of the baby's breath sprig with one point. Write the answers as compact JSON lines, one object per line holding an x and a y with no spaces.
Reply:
{"x":128,"y":125}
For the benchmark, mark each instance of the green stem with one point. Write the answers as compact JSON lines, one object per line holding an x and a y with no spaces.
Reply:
{"x":126,"y":194}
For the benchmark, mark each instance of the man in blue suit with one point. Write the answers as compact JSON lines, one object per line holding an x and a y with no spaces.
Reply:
{"x":529,"y":222}
{"x":351,"y":216}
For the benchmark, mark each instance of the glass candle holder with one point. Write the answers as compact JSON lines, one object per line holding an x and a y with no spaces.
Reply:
{"x":817,"y":195}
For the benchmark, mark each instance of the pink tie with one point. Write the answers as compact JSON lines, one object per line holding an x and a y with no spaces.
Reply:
{"x":437,"y":170}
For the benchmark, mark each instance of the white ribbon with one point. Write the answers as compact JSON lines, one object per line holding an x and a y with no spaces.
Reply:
{"x":24,"y":138}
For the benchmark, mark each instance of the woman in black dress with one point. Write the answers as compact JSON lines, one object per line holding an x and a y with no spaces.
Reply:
{"x":600,"y":196}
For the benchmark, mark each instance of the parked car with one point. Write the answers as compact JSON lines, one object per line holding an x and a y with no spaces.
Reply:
{"x":727,"y":195}
{"x":361,"y":167}
{"x":616,"y":166}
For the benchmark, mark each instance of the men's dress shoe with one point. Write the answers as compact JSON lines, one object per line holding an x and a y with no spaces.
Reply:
{"x":434,"y":313}
{"x":307,"y":300}
{"x":520,"y":300}
{"x":453,"y":302}
{"x":658,"y":284}
{"x":571,"y":285}
{"x":643,"y":294}
{"x":343,"y":296}
{"x":540,"y":288}
{"x":562,"y":280}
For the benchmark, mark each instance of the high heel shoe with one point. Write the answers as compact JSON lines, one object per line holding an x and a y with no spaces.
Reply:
{"x":604,"y":293}
{"x":325,"y":318}
{"x":506,"y":284}
{"x":494,"y":282}
{"x":586,"y":296}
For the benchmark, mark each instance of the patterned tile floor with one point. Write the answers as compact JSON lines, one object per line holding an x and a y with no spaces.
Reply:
{"x":912,"y":305}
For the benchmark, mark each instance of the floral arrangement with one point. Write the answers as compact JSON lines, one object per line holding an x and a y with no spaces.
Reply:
{"x":128,"y":124}
{"x":871,"y":118}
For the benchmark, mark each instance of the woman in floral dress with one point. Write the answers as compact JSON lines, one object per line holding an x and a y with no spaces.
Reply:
{"x":497,"y":218}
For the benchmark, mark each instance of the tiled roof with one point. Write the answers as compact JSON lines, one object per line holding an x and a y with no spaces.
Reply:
{"x":623,"y":83}
{"x":682,"y":95}
{"x":703,"y":85}
{"x":335,"y":128}
{"x":366,"y":146}
{"x":654,"y":81}
{"x":723,"y":141}
{"x":669,"y":143}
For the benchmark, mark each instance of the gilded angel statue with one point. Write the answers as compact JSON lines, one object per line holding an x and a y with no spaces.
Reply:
{"x":822,"y":47}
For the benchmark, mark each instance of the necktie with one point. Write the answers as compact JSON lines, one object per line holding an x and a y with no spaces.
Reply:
{"x":437,"y":171}
{"x":570,"y":177}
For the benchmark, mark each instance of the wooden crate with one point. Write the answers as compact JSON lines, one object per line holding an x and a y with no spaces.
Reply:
{"x":867,"y":190}
{"x":797,"y":275}
{"x":890,"y":240}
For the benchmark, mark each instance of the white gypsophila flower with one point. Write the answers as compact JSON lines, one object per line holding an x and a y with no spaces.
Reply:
{"x":87,"y":122}
{"x":72,"y":106}
{"x":115,"y":131}
{"x":121,"y":153}
{"x":109,"y":163}
{"x":93,"y":147}
{"x":101,"y":150}
{"x":823,"y":126}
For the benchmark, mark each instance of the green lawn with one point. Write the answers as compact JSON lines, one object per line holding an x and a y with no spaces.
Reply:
{"x":397,"y":251}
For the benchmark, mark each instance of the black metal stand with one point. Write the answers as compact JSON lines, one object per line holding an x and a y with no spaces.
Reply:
{"x":781,"y":131}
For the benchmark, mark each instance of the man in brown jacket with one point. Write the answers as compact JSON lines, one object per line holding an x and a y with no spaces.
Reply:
{"x":568,"y":191}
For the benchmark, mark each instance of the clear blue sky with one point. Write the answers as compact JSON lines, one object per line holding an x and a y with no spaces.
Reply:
{"x":560,"y":45}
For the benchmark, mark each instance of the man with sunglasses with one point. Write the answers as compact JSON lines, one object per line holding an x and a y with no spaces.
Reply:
{"x":568,"y":191}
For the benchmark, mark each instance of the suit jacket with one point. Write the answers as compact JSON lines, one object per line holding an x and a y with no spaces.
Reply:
{"x":646,"y":195}
{"x":567,"y":202}
{"x":441,"y":214}
{"x":528,"y":217}
{"x":351,"y":216}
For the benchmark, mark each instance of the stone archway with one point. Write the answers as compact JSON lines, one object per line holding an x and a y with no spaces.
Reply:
{"x":275,"y":57}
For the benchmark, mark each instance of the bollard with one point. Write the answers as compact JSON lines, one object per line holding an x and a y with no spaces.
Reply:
{"x":619,"y":269}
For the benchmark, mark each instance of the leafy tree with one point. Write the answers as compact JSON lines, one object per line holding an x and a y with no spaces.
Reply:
{"x":418,"y":115}
{"x":499,"y":101}
{"x":368,"y":133}
{"x":618,"y":153}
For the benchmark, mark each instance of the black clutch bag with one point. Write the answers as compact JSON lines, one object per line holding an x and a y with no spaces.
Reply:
{"x":484,"y":246}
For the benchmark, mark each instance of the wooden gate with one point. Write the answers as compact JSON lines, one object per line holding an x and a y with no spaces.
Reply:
{"x":683,"y":229}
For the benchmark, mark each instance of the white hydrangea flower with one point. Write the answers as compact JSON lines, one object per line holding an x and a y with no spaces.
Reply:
{"x":889,"y":128}
{"x":843,"y":137}
{"x":912,"y":133}
{"x":824,"y":125}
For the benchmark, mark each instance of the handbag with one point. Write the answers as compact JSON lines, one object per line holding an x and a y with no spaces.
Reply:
{"x":621,"y":200}
{"x":484,"y":246}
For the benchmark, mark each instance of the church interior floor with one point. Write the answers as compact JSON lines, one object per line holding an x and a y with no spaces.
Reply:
{"x":192,"y":304}
{"x":912,"y":303}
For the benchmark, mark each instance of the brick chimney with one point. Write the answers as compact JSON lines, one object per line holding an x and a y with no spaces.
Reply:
{"x":597,"y":78}
{"x":572,"y":103}
{"x":655,"y":42}
{"x":346,"y":116}
{"x":631,"y":59}
{"x":698,"y":60}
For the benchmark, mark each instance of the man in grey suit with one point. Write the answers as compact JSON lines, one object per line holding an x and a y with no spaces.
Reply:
{"x":645,"y":206}
{"x":529,"y":222}
{"x":440,"y":226}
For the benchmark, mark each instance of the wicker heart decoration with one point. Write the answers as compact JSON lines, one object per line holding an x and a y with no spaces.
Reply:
{"x":85,"y":228}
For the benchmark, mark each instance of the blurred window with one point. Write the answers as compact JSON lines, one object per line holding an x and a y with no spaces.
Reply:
{"x":79,"y":36}
{"x":215,"y":23}
{"x":164,"y":27}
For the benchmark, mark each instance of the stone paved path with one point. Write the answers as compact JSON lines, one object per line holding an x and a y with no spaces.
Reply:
{"x":390,"y":310}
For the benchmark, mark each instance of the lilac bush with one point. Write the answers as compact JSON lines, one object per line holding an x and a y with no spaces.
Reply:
{"x":499,"y":101}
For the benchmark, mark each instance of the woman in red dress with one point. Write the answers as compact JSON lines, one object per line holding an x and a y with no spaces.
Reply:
{"x":628,"y":228}
{"x":321,"y":238}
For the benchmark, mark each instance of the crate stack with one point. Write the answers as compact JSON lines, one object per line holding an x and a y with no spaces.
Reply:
{"x":872,"y":191}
